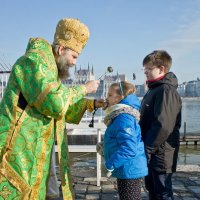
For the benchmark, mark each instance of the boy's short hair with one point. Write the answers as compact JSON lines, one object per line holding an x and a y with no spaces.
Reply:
{"x":125,"y":89}
{"x":158,"y":58}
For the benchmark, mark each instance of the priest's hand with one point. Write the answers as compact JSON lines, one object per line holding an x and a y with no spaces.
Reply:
{"x":91,"y":86}
{"x":99,"y":103}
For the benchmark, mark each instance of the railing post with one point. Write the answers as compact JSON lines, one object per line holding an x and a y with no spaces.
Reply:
{"x":184,"y":133}
{"x":98,"y":160}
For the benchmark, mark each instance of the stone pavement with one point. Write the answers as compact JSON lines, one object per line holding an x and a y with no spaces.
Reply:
{"x":186,"y":184}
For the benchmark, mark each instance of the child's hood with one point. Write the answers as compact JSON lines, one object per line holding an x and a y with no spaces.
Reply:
{"x":131,"y":100}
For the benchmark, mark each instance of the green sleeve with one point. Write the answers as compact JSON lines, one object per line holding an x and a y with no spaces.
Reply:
{"x":41,"y":87}
{"x":76,"y":111}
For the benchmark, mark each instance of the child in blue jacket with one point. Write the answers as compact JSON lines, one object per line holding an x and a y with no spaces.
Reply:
{"x":123,"y":147}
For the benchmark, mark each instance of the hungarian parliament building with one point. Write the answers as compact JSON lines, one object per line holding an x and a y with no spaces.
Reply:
{"x":81,"y":76}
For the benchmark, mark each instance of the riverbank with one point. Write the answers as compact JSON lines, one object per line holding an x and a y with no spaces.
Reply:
{"x":190,"y":98}
{"x":186,"y":184}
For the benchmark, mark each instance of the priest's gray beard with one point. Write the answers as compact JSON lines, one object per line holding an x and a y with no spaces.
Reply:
{"x":63,"y":67}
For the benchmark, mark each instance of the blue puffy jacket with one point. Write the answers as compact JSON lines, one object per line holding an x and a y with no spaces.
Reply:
{"x":123,"y":146}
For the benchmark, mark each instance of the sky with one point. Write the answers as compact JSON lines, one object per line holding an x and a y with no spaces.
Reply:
{"x":122,"y":32}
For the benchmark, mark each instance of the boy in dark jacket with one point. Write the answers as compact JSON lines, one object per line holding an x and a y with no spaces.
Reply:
{"x":160,"y":123}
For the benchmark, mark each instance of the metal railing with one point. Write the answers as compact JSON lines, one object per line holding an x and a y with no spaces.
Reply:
{"x":100,"y":129}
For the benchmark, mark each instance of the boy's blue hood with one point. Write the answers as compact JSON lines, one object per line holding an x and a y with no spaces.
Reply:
{"x":131,"y":100}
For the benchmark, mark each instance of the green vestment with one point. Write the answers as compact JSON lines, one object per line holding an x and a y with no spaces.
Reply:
{"x":27,"y":134}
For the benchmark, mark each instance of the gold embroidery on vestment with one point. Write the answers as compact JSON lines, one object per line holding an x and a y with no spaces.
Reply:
{"x":41,"y":96}
{"x":66,"y":183}
{"x":41,"y":162}
{"x":5,"y":192}
{"x":8,"y":172}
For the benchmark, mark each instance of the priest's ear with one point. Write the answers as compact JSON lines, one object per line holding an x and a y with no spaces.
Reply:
{"x":60,"y":51}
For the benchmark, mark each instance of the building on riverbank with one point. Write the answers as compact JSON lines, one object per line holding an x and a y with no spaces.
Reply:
{"x":190,"y":88}
{"x":4,"y":75}
{"x":82,"y":75}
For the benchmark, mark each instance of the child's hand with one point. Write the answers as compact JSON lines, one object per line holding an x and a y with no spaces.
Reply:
{"x":109,"y":172}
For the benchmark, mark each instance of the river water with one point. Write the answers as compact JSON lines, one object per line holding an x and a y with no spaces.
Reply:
{"x":191,"y":115}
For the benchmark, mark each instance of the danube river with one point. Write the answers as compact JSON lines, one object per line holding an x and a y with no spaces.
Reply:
{"x":191,"y":114}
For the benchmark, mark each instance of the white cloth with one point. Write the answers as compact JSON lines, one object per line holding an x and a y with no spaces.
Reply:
{"x":52,"y":185}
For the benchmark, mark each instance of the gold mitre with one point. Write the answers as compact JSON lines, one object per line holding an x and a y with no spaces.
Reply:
{"x":72,"y":34}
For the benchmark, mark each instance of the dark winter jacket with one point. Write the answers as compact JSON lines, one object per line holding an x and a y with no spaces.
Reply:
{"x":160,"y":123}
{"x":123,"y":146}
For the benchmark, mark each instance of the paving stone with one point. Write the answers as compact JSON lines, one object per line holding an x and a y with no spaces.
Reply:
{"x":81,"y":183}
{"x":193,"y":178}
{"x":180,"y":174}
{"x":105,"y":191}
{"x":93,"y":189}
{"x":112,"y":179}
{"x":186,"y":194}
{"x":79,"y":196}
{"x":92,"y":196}
{"x":179,"y":188}
{"x":108,"y":189}
{"x":110,"y":197}
{"x":175,"y":193}
{"x":177,"y":198}
{"x":77,"y":179}
{"x":103,"y":179}
{"x":182,"y":179}
{"x":80,"y":189}
{"x":195,"y":189}
{"x":176,"y":182}
{"x":197,"y":182}
{"x":90,"y":179}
